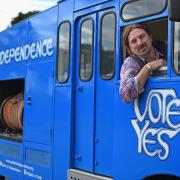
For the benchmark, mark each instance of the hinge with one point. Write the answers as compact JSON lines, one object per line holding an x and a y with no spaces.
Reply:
{"x":51,"y":133}
{"x":52,"y":73}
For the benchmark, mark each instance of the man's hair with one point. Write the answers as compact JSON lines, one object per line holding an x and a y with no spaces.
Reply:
{"x":126,"y":33}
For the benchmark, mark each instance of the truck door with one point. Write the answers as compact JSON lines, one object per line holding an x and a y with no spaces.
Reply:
{"x":94,"y":97}
{"x":85,"y":92}
{"x":38,"y":106}
{"x":105,"y":84}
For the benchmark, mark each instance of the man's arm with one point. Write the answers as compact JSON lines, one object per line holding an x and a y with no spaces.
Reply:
{"x":128,"y":84}
{"x":145,"y":72}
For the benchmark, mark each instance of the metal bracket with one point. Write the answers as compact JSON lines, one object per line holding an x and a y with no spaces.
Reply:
{"x":83,"y":175}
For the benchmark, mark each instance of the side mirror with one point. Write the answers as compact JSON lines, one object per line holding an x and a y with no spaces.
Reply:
{"x":174,"y":10}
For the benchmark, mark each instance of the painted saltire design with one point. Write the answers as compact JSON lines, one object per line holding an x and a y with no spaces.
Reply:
{"x":151,"y":127}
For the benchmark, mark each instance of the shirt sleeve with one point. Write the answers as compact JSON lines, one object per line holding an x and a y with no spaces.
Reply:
{"x":129,"y":85}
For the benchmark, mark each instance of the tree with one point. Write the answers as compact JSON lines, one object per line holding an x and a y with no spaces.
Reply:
{"x":21,"y":16}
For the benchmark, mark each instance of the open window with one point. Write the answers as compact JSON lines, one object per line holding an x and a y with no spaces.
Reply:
{"x":159,"y":32}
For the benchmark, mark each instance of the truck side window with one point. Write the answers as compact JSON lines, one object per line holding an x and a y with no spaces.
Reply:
{"x":107,"y":56}
{"x":137,"y":9}
{"x":177,"y":47}
{"x":86,"y":50}
{"x":63,"y":52}
{"x":159,"y":42}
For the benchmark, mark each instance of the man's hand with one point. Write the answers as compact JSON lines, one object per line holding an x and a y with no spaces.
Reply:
{"x":154,"y":65}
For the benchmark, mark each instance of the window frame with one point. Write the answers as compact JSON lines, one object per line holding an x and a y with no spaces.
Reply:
{"x":139,"y":17}
{"x":69,"y":46}
{"x":152,"y":21}
{"x":173,"y":49}
{"x":92,"y":54}
{"x":100,"y":44}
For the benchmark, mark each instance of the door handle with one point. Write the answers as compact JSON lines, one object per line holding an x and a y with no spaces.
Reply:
{"x":29,"y":100}
{"x":80,"y":89}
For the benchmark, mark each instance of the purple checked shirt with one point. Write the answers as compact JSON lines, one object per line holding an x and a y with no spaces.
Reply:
{"x":129,"y":85}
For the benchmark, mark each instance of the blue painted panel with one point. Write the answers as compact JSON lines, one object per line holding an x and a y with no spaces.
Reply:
{"x":43,"y":30}
{"x":34,"y":169}
{"x":11,"y":64}
{"x":38,"y":103}
{"x":11,"y":160}
{"x":84,"y":128}
{"x":81,"y":4}
{"x":63,"y":123}
{"x":159,"y":140}
{"x":104,"y":127}
{"x":84,"y":112}
{"x":63,"y":132}
{"x":104,"y":118}
{"x":65,"y":13}
{"x":37,"y":156}
{"x":9,"y":150}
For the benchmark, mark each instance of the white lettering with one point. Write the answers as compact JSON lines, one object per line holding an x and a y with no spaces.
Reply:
{"x":147,"y":141}
{"x":20,"y":168}
{"x":139,"y":133}
{"x":151,"y":116}
{"x":161,"y":106}
{"x":175,"y":113}
{"x":17,"y":54}
{"x":22,"y":53}
{"x":33,"y":51}
{"x":50,"y":47}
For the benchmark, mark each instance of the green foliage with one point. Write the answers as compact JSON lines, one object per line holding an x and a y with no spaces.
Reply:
{"x":22,"y":16}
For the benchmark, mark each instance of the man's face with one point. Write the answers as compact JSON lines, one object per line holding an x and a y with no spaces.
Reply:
{"x":140,"y":43}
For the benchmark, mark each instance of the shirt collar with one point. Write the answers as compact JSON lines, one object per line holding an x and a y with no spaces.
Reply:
{"x":160,"y":55}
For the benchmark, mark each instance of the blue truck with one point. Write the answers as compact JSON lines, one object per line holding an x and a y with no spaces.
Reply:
{"x":61,"y":116}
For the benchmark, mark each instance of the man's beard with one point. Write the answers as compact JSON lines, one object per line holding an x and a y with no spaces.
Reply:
{"x":144,"y":50}
{"x":142,"y":47}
